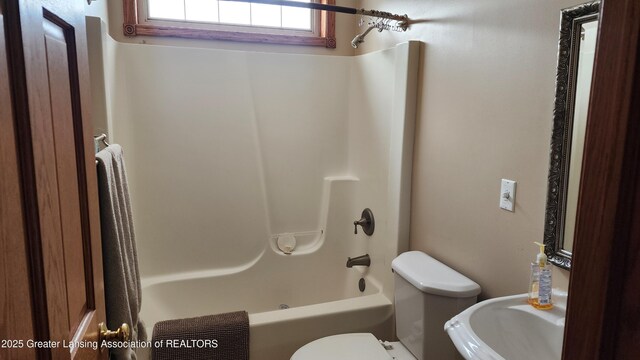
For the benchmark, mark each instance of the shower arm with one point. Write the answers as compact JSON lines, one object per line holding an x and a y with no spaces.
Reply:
{"x":403,"y":20}
{"x":359,"y":39}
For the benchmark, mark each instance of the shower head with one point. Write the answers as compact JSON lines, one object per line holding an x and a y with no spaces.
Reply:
{"x":359,"y":39}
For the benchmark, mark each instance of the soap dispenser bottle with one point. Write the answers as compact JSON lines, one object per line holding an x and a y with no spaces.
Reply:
{"x":540,"y":282}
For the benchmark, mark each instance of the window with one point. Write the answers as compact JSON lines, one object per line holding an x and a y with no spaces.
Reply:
{"x":234,"y":13}
{"x":230,"y":20}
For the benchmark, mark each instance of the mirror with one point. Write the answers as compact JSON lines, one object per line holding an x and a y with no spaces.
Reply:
{"x":576,"y":50}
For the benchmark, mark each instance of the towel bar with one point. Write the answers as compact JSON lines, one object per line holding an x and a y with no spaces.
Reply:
{"x":97,"y":139}
{"x":101,"y":137}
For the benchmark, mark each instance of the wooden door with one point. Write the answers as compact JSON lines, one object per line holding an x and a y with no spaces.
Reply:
{"x":603,"y":313}
{"x":54,"y":161}
{"x":15,"y":301}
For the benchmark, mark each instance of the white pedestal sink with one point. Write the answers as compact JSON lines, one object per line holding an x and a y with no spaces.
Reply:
{"x":509,"y":328}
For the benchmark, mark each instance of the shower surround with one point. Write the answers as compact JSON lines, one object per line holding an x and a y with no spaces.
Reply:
{"x":228,"y":150}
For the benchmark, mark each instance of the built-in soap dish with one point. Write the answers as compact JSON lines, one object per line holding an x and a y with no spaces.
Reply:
{"x":297,"y":243}
{"x":286,"y":243}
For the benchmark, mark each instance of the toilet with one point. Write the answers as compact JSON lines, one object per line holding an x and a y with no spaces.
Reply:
{"x":427,"y":294}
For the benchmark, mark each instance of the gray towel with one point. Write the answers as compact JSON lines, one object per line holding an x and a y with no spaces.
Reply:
{"x":119,"y":254}
{"x":213,"y":337}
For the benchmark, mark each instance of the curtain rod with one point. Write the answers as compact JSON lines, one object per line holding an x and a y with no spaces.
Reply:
{"x":332,"y":8}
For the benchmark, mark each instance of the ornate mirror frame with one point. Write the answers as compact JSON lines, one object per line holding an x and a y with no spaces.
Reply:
{"x":570,"y":21}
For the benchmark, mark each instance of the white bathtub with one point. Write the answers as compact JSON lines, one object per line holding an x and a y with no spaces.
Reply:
{"x":322,"y":305}
{"x":321,"y":292}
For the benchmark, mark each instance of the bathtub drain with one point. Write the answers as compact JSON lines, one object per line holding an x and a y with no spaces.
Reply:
{"x":283,"y":306}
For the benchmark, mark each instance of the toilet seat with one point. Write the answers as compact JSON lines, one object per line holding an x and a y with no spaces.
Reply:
{"x":343,"y":347}
{"x":356,"y":346}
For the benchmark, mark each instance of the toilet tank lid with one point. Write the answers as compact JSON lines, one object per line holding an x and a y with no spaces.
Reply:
{"x":431,"y":276}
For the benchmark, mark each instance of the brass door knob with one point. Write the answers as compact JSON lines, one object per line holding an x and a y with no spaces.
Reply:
{"x":123,"y":333}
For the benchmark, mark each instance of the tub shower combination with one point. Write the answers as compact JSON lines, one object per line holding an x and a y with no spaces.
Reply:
{"x":220,"y":196}
{"x":291,"y":298}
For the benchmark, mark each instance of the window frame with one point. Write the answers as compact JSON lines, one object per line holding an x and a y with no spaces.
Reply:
{"x":136,"y":23}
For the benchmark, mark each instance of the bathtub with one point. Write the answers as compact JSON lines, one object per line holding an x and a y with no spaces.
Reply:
{"x":282,"y":317}
{"x":291,"y":299}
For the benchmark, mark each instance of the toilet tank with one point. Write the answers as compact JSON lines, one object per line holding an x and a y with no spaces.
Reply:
{"x":427,"y":294}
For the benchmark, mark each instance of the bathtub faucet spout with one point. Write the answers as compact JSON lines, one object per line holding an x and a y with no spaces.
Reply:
{"x":363,"y":260}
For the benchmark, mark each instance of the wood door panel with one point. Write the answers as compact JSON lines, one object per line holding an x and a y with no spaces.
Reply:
{"x":40,"y":176}
{"x":65,"y":158}
{"x":66,"y":99}
{"x":15,"y":304}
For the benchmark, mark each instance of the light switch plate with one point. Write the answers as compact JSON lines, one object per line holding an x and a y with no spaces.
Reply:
{"x":508,"y":195}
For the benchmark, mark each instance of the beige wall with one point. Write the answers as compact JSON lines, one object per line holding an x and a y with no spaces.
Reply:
{"x":484,"y":113}
{"x":97,"y":8}
{"x":345,"y":27}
